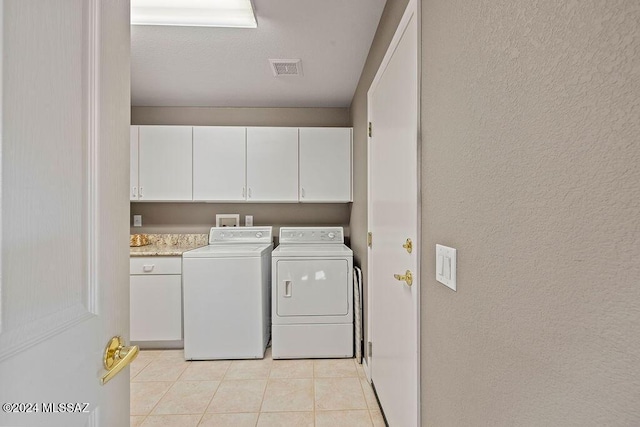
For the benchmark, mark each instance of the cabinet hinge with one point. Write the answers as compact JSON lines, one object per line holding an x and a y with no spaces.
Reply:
{"x":369,"y":349}
{"x":370,"y":130}
{"x":369,"y":239}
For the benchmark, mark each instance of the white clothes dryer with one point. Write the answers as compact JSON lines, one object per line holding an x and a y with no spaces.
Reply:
{"x":312,"y":294}
{"x":226,"y":295}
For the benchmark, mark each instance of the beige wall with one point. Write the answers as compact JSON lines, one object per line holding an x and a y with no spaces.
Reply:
{"x":198,"y":217}
{"x":386,"y":28}
{"x":531,"y":169}
{"x":214,"y":116}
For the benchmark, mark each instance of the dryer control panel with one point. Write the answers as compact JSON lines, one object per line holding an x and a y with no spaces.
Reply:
{"x":308,"y":235}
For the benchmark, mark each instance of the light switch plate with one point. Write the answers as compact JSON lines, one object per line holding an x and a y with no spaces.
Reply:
{"x":137,"y":220}
{"x":248,"y":220}
{"x":446,"y":266}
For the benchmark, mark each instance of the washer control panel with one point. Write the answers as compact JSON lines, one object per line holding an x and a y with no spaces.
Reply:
{"x":311,"y":235}
{"x":240,"y":235}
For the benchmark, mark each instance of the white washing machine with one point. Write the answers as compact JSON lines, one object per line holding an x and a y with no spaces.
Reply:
{"x":312,"y":294}
{"x":226,"y":295}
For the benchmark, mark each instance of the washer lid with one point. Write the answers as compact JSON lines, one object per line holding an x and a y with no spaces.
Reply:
{"x":234,"y":250}
{"x":320,"y":250}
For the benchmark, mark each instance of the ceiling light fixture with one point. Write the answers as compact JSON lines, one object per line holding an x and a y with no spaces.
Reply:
{"x":194,"y":13}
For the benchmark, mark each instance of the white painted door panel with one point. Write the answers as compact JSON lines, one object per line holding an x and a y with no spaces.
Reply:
{"x":156,"y":307}
{"x":133,"y":163}
{"x":64,"y":210}
{"x":393,"y":217}
{"x":325,"y":164}
{"x":272,"y":164}
{"x":219,"y":160}
{"x":165,"y":163}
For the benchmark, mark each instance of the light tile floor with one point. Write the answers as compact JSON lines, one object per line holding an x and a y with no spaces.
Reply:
{"x":167,"y":391}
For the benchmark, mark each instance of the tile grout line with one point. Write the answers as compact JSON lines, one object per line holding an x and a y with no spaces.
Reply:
{"x":365,"y":398}
{"x":264,"y":393}
{"x":213,"y":395}
{"x":142,"y":369}
{"x":154,"y":406}
{"x":201,"y":417}
{"x":165,"y":393}
{"x":313,"y":376}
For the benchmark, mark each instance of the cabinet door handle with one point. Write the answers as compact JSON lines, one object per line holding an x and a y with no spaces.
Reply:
{"x":134,"y":191}
{"x":147,"y":268}
{"x":287,"y":288}
{"x":302,"y":192}
{"x":249,"y":192}
{"x":140,"y":192}
{"x":243,"y":192}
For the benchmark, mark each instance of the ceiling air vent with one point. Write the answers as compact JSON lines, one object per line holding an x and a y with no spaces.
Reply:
{"x":286,"y":67}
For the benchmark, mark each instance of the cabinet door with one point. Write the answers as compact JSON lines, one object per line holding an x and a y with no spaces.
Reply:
{"x":272,"y":164}
{"x":156,"y":308}
{"x":165,"y":163}
{"x":219,"y":163}
{"x":325,"y":164}
{"x":133,"y":164}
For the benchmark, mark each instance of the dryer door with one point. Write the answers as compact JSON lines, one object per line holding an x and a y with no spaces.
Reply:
{"x":312,"y":287}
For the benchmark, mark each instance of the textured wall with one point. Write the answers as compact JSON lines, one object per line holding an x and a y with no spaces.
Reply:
{"x":199,"y":217}
{"x":531,"y":169}
{"x":212,"y":116}
{"x":196,"y":217}
{"x":386,"y":28}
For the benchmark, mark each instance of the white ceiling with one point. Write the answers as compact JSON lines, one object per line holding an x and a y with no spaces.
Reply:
{"x":229,"y":67}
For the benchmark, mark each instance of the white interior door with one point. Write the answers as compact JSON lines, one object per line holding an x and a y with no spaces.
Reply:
{"x":64,"y":210}
{"x":393,"y":218}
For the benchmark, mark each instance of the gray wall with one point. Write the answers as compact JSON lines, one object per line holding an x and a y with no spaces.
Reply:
{"x":531,"y":169}
{"x":198,"y":217}
{"x":358,"y":223}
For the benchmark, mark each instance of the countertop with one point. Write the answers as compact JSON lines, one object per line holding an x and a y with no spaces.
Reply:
{"x":169,"y":244}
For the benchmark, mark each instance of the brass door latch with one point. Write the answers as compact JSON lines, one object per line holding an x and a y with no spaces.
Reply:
{"x":407,"y":277}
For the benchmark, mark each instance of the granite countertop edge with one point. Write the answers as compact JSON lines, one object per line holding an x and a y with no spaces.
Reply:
{"x":169,"y":244}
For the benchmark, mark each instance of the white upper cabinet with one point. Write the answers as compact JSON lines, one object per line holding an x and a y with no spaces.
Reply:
{"x":272,"y":164}
{"x":219,"y":171}
{"x":165,"y":163}
{"x":234,"y":164}
{"x":325,"y":164}
{"x":133,"y":164}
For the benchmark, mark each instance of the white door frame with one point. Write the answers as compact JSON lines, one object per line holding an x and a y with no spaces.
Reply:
{"x":413,"y":9}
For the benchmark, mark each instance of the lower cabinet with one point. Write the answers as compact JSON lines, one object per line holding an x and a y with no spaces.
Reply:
{"x":156,"y":299}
